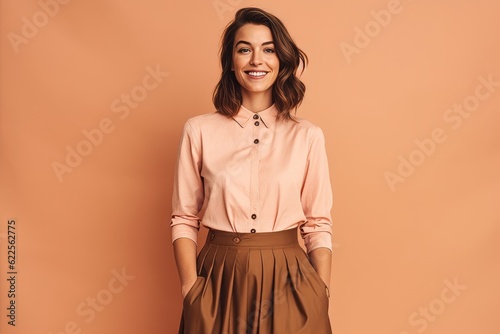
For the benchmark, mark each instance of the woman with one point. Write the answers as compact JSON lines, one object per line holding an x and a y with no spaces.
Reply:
{"x":253,"y":174}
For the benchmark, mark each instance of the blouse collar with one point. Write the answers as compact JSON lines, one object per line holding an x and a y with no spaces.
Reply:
{"x":267,"y":116}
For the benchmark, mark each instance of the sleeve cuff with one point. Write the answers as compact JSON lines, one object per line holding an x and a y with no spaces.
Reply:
{"x":185,"y":231}
{"x":318,"y":239}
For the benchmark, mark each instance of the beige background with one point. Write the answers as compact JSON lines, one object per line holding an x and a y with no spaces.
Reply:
{"x":377,"y":89}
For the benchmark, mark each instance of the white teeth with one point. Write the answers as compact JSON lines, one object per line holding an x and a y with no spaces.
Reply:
{"x":257,"y":74}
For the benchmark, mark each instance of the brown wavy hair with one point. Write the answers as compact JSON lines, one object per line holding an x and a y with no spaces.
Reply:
{"x":287,"y":91}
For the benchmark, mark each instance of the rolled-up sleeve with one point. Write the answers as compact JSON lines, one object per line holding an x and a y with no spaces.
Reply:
{"x":317,"y":197}
{"x":188,"y":191}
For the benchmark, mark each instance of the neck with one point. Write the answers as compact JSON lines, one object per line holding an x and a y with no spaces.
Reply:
{"x":257,"y":102}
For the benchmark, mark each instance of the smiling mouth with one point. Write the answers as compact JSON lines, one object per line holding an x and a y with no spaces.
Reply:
{"x":256,"y":74}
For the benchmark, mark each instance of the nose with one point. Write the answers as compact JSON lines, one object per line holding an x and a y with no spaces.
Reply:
{"x":255,"y":60}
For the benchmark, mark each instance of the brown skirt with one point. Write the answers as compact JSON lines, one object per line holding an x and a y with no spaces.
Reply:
{"x":255,"y":283}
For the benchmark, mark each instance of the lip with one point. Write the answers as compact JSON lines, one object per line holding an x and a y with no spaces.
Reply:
{"x":254,"y":77}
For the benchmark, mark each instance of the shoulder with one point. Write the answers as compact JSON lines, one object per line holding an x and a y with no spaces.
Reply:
{"x":305,"y":123}
{"x":312,"y":130}
{"x":207,"y":120}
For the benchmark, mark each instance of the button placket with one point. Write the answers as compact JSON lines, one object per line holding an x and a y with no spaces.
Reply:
{"x":256,"y":117}
{"x":254,"y":177}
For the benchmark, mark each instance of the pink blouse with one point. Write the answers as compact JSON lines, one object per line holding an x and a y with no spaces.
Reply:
{"x":252,"y":173}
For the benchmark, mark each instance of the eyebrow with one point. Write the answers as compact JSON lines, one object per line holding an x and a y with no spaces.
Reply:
{"x":245,"y":42}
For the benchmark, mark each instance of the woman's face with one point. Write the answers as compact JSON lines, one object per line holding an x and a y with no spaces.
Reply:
{"x":255,"y":63}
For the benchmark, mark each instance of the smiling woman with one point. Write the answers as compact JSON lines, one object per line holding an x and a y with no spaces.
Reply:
{"x":257,"y":41}
{"x":255,"y":66}
{"x":255,"y":175}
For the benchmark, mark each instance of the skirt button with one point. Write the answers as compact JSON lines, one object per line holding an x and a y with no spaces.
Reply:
{"x":236,"y":240}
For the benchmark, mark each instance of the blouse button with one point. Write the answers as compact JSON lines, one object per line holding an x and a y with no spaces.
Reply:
{"x":256,"y":123}
{"x":254,"y":216}
{"x":255,"y":116}
{"x":256,"y":141}
{"x":253,"y":230}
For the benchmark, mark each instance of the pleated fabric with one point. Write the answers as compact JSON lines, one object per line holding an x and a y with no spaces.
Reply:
{"x":251,"y":283}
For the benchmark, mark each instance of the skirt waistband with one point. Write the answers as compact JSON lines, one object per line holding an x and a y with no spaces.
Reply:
{"x":262,"y":239}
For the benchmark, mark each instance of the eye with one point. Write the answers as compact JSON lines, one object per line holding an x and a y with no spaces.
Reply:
{"x":244,"y":50}
{"x":269,"y":50}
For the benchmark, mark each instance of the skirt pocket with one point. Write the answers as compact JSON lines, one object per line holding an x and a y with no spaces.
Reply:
{"x":312,"y":274}
{"x":197,"y":286}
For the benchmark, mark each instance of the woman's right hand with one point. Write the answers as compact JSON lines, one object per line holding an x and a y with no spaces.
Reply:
{"x":187,"y":286}
{"x":185,"y":259}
